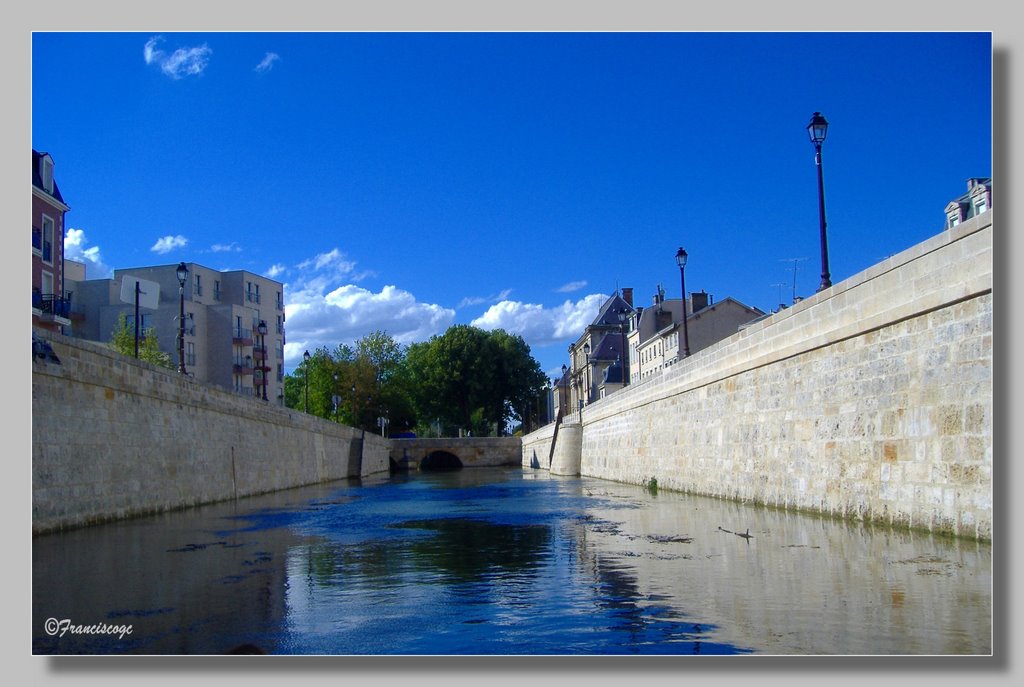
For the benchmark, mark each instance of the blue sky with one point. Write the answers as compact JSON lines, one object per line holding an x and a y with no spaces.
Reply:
{"x":410,"y":181}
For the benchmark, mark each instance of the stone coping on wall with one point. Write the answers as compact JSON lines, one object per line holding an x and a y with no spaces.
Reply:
{"x":857,"y":305}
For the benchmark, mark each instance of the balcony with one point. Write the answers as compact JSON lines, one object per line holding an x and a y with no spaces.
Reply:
{"x":252,"y":297}
{"x":242,"y":366}
{"x":259,"y":353}
{"x":241,"y":337}
{"x":51,"y":307}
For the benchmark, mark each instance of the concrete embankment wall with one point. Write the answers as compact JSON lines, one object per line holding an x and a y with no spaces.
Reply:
{"x":871,"y":400}
{"x":114,"y":437}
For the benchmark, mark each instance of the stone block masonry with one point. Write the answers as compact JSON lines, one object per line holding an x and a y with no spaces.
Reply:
{"x":113,"y":437}
{"x":871,"y":400}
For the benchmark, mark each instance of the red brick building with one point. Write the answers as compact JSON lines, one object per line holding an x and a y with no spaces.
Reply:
{"x":50,"y":303}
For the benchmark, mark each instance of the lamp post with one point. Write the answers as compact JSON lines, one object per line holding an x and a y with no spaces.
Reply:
{"x":335,"y":398}
{"x":182,"y":274}
{"x":622,"y":325}
{"x":305,"y":372}
{"x":586,"y":353}
{"x":817,"y":130}
{"x":684,"y":343}
{"x":262,"y":329}
{"x":355,"y":415}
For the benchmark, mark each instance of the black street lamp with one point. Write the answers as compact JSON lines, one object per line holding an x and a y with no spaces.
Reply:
{"x":586,"y":353}
{"x":335,"y":398}
{"x":622,"y":312}
{"x":817,"y":130}
{"x":305,"y":371}
{"x":182,"y":274}
{"x":684,"y":343}
{"x":262,"y":329}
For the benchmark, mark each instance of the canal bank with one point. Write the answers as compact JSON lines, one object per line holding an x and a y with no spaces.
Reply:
{"x":871,"y":400}
{"x":114,"y":437}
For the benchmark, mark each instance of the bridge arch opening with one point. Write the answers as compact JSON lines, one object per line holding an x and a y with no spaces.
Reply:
{"x":440,"y":460}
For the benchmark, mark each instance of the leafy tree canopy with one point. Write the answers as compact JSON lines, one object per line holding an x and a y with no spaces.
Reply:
{"x":122,"y":340}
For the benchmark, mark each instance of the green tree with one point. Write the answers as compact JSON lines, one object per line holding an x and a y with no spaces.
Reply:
{"x":122,"y":340}
{"x":366,"y":379}
{"x":473,"y":379}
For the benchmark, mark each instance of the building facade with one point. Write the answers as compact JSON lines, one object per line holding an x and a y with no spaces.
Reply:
{"x":234,"y":323}
{"x":656,"y":331}
{"x":50,"y":300}
{"x":601,"y":346}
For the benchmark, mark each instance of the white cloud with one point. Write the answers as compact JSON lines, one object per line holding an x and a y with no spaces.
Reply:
{"x":324,"y":308}
{"x":169,"y":243}
{"x":226,"y":248}
{"x":541,"y":326}
{"x":477,"y":300}
{"x":275,"y":271}
{"x":180,"y":63}
{"x":268,"y":62}
{"x":571,"y":286}
{"x":74,"y":249}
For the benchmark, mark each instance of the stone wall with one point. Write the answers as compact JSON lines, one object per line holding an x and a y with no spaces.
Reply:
{"x":871,"y":400}
{"x":114,"y":437}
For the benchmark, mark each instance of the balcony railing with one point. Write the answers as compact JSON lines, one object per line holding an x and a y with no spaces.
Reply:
{"x":51,"y":304}
{"x":37,"y":239}
{"x":242,"y":336}
{"x":252,"y":297}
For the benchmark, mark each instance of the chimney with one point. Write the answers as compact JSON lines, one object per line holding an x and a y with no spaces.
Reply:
{"x":627,"y":295}
{"x":698,"y":301}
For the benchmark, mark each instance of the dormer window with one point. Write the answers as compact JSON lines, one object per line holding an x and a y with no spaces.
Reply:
{"x":981,"y":199}
{"x":46,"y":172}
{"x":954,"y":214}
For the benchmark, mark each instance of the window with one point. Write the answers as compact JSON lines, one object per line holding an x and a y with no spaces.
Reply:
{"x":199,"y":285}
{"x":190,"y":353}
{"x":216,"y":289}
{"x":46,"y":283}
{"x":144,"y":322}
{"x":190,"y":324}
{"x":48,"y":242}
{"x":280,"y":301}
{"x":280,"y":325}
{"x":46,"y":173}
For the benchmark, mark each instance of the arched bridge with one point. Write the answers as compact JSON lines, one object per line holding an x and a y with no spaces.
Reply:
{"x":455,"y":453}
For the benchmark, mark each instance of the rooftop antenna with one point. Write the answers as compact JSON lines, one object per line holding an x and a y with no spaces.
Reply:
{"x":793,"y":267}
{"x":780,"y":285}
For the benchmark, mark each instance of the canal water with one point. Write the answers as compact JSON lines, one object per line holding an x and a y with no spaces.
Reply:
{"x":505,"y":562}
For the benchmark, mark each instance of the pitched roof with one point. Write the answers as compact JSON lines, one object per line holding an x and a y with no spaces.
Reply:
{"x":609,"y":312}
{"x":37,"y":179}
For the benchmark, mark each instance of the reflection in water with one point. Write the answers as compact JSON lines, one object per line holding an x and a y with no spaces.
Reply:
{"x":490,"y":561}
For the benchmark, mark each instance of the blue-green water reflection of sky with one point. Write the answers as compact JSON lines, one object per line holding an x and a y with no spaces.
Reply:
{"x":511,"y":562}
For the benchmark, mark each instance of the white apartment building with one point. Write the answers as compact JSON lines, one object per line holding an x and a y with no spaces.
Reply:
{"x":223,"y":311}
